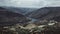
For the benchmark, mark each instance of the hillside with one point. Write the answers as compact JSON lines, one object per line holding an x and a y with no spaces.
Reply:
{"x":9,"y":17}
{"x":46,"y":13}
{"x":20,"y":10}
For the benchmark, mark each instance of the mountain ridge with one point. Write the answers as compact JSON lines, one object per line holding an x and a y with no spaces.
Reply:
{"x":8,"y":17}
{"x":45,"y":13}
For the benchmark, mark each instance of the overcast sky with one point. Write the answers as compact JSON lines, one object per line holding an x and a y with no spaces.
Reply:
{"x":30,"y":3}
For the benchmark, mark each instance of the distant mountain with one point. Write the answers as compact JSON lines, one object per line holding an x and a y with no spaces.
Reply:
{"x":37,"y":12}
{"x":8,"y":17}
{"x":48,"y":13}
{"x":20,"y":10}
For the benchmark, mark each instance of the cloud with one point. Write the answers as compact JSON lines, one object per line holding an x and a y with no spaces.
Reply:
{"x":53,"y":3}
{"x":30,"y":3}
{"x":22,"y":3}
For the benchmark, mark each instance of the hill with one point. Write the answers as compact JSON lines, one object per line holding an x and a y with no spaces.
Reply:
{"x":8,"y":17}
{"x":49,"y":13}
